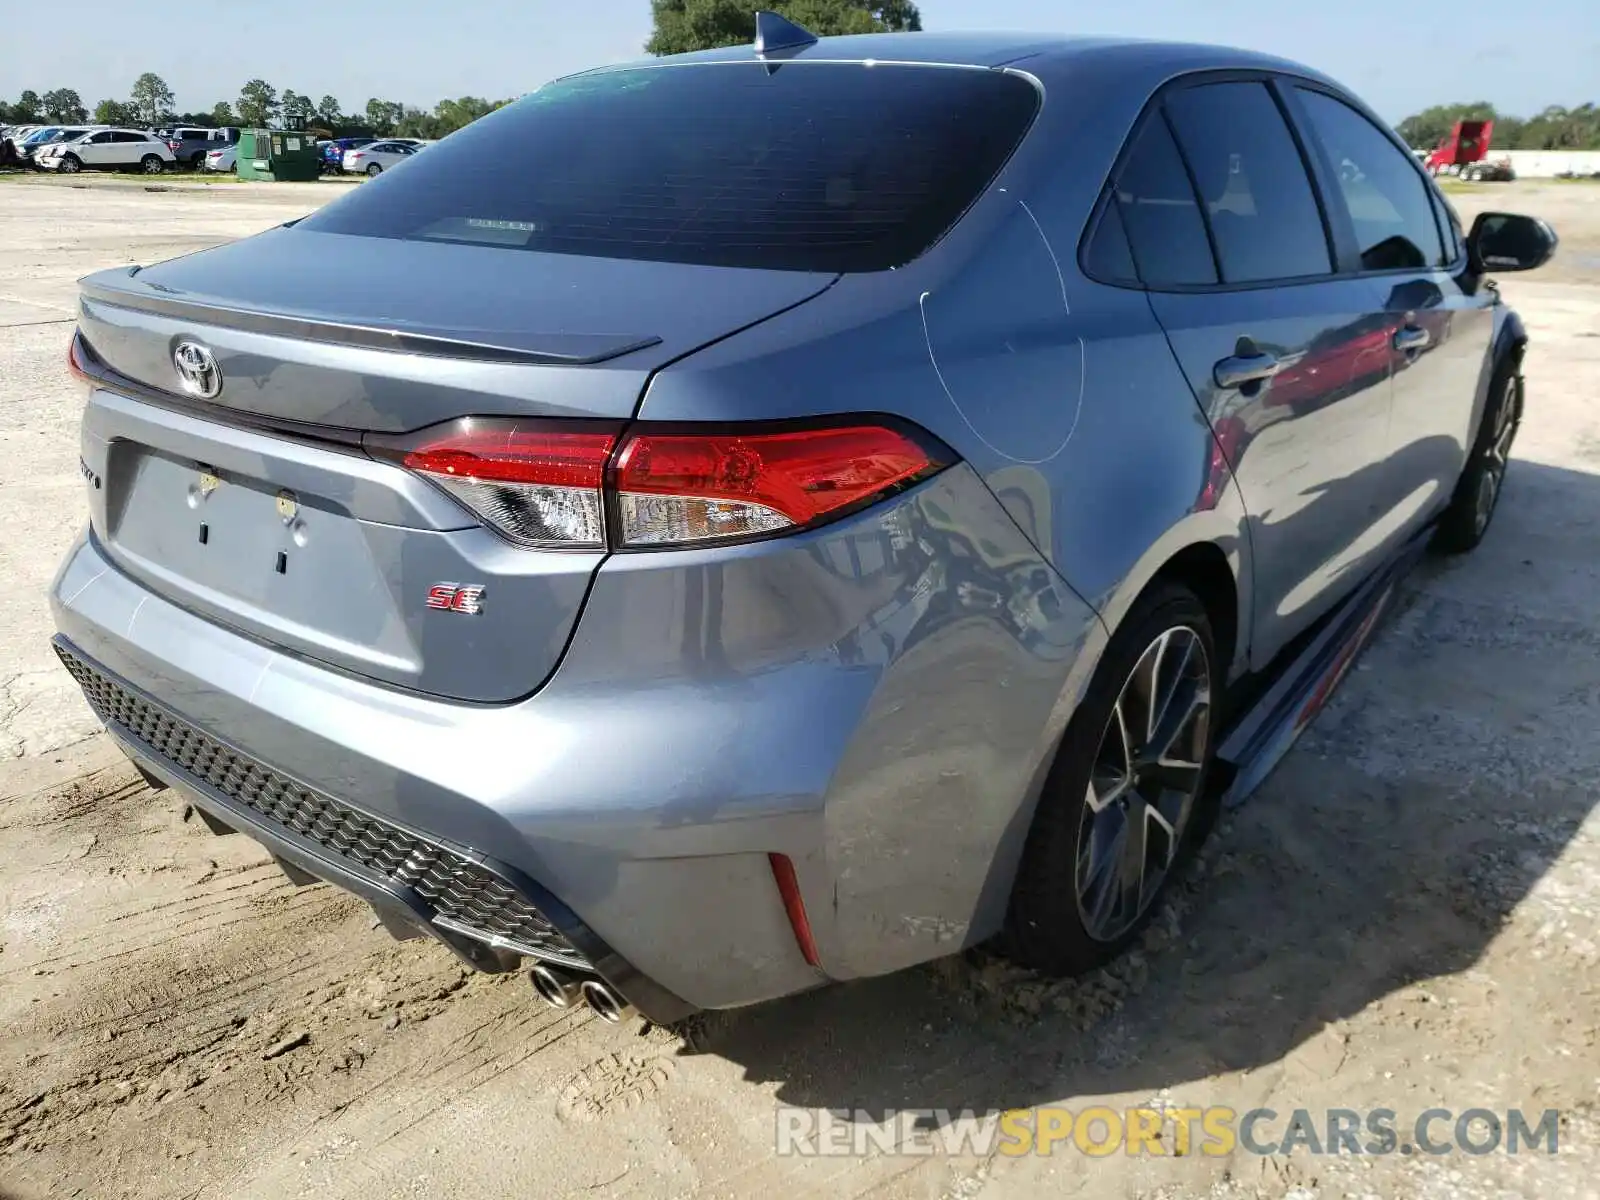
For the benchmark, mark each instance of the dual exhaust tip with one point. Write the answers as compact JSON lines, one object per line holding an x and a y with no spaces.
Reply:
{"x":562,"y":989}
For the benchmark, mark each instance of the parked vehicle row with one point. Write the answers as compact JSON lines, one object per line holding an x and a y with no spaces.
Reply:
{"x":69,"y":148}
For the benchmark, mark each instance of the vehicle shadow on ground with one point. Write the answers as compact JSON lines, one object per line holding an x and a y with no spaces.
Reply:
{"x":1363,"y":865}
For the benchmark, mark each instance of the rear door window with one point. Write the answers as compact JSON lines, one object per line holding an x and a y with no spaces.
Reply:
{"x":1252,"y":182}
{"x":1157,"y":204}
{"x":1382,"y":188}
{"x":806,"y":167}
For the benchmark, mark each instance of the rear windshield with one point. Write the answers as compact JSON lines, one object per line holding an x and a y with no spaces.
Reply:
{"x":799,"y":166}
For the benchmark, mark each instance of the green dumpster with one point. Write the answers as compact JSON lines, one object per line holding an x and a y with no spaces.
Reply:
{"x":278,"y":155}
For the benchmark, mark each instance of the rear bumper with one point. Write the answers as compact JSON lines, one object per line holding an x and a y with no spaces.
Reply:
{"x":363,"y":857}
{"x":876,"y":700}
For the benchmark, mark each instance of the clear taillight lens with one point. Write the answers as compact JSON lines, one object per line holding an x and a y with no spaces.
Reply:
{"x":538,"y":487}
{"x":553,"y":486}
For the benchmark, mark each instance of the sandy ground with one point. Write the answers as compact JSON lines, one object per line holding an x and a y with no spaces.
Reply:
{"x":1406,"y":916}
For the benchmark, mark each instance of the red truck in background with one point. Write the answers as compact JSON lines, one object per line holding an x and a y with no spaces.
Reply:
{"x":1465,"y":152}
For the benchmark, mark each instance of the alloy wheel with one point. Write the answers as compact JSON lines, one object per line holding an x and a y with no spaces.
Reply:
{"x":1496,"y":457}
{"x":1147,"y":774}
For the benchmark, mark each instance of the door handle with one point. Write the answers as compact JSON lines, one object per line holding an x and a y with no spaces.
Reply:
{"x":1243,"y":369}
{"x":1411,"y":338}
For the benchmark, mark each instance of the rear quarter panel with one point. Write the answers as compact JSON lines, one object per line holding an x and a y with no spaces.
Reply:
{"x":1062,"y":393}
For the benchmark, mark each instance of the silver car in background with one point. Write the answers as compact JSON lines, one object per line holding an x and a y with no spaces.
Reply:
{"x":813,"y":508}
{"x":377,"y":157}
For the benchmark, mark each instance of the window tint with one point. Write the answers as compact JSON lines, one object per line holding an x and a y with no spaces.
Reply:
{"x":1165,"y":231}
{"x":129,"y":137}
{"x":812,"y":166}
{"x":1252,"y":182}
{"x":1107,"y":256}
{"x":1382,"y":188}
{"x":101,"y":138}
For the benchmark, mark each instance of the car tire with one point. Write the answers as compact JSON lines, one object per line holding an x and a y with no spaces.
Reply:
{"x":1104,"y":789}
{"x":71,"y":164}
{"x":1478,"y":489}
{"x":151,"y":164}
{"x":374,"y":168}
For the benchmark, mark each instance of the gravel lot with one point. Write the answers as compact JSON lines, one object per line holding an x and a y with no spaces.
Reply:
{"x":1406,"y":916}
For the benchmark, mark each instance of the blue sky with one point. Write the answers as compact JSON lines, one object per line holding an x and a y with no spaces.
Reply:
{"x":1400,"y":57}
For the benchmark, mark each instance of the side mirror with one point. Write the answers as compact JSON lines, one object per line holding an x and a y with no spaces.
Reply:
{"x":1510,"y":242}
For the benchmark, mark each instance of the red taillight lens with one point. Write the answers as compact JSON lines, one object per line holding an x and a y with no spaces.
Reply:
{"x":685,"y":488}
{"x":537,"y":487}
{"x":547,"y":485}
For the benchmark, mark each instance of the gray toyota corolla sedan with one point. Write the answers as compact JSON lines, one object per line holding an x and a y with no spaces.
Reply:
{"x":777,"y":515}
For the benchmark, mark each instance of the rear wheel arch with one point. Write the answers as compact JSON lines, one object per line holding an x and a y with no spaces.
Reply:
{"x":1203,"y":569}
{"x":1209,"y":553}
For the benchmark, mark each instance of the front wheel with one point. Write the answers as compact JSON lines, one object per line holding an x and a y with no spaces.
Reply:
{"x":1477,"y":493}
{"x":151,"y":164}
{"x":374,"y":169}
{"x":1127,"y":794}
{"x":71,"y":164}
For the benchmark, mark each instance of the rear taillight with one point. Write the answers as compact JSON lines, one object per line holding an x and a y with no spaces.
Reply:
{"x":537,"y":487}
{"x":582,"y":486}
{"x":174,"y":145}
{"x":682,"y":488}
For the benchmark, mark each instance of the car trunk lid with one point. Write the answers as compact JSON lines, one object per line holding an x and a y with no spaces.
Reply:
{"x":258,"y":508}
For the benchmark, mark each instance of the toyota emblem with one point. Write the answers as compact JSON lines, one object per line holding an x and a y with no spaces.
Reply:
{"x":197,"y":369}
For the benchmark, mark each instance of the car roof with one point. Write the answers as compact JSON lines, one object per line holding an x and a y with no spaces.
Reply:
{"x":1039,"y":53}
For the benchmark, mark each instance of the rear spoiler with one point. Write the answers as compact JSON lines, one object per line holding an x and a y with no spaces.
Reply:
{"x":552,"y":349}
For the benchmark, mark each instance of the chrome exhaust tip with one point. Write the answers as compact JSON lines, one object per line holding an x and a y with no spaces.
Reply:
{"x":607,"y":1005}
{"x":555,"y":987}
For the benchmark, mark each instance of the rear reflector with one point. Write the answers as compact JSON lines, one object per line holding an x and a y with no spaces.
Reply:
{"x":795,"y":906}
{"x":540,"y":488}
{"x":556,"y":485}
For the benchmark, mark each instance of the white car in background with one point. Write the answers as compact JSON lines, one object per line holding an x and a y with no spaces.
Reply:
{"x":223,"y":158}
{"x":377,"y":157}
{"x":108,"y":149}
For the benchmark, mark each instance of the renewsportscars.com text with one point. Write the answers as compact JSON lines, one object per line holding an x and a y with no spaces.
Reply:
{"x":1216,"y":1131}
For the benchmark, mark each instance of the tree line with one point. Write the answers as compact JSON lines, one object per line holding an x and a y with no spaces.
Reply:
{"x":150,"y":105}
{"x":1556,"y":128}
{"x":679,"y":26}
